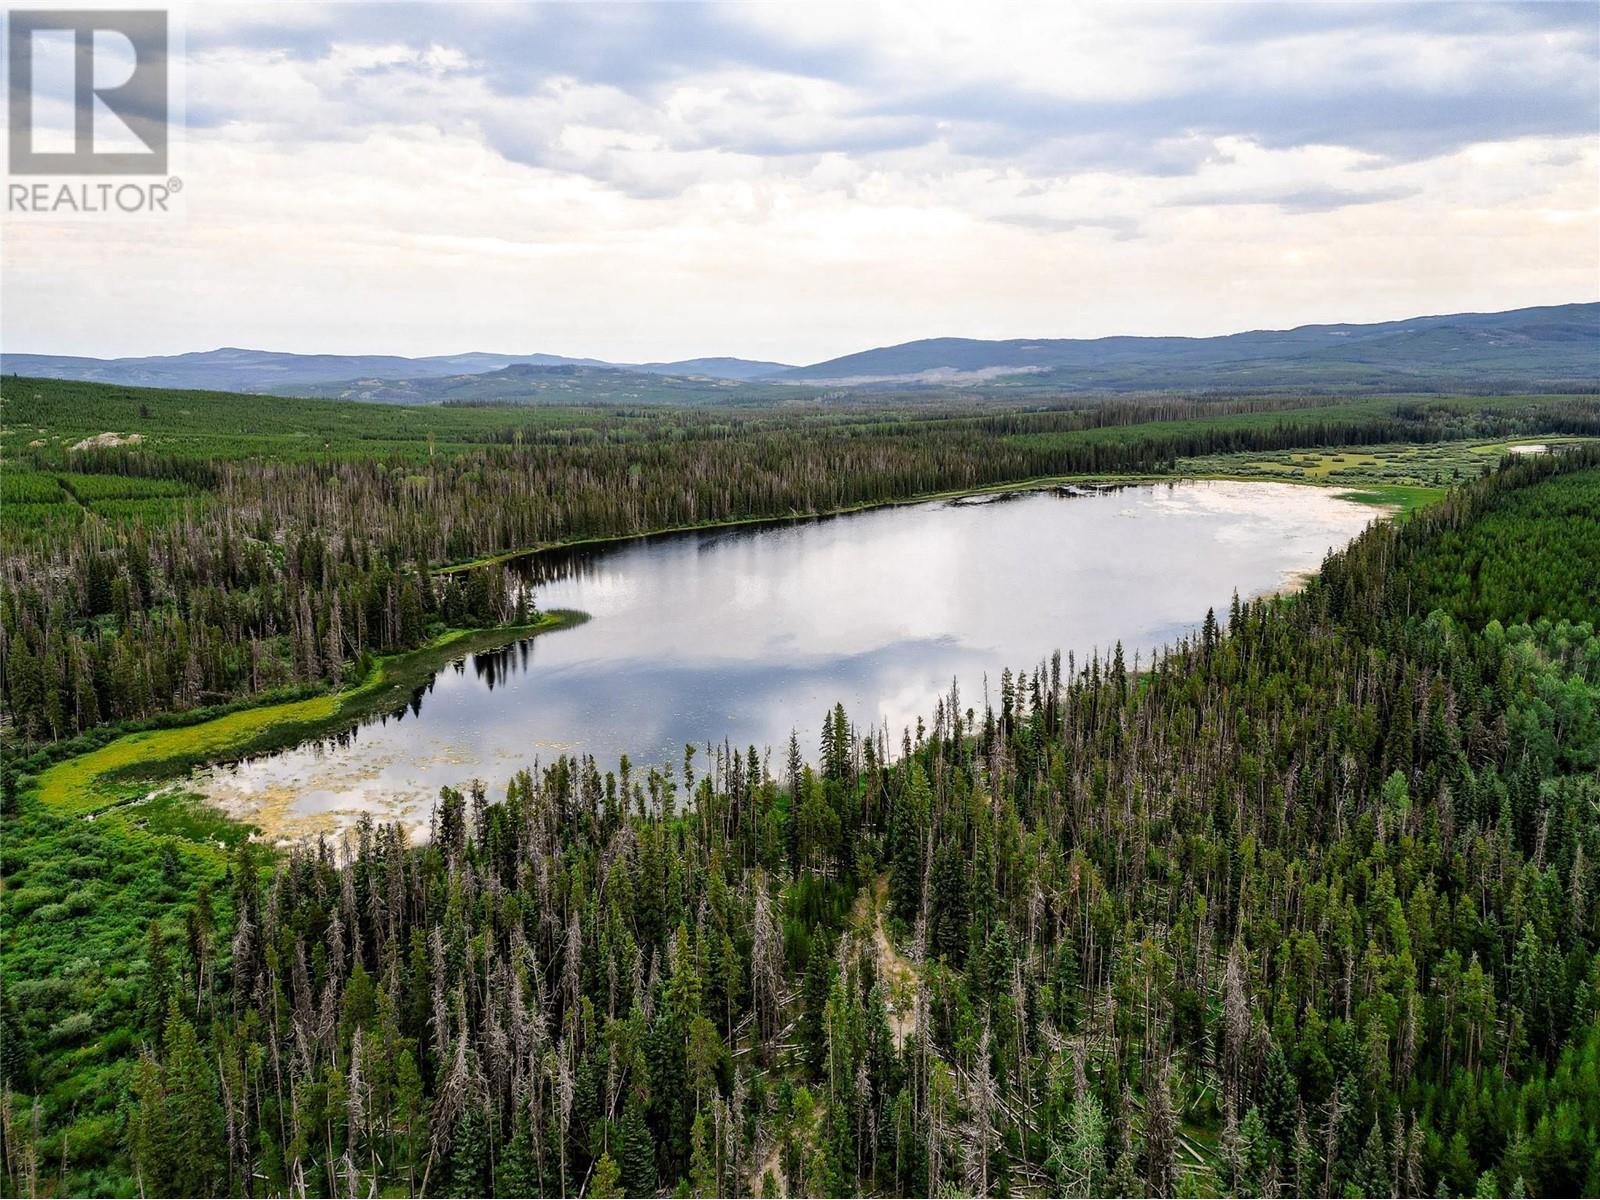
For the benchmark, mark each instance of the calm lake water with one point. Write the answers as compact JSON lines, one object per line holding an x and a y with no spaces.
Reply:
{"x":748,"y":634}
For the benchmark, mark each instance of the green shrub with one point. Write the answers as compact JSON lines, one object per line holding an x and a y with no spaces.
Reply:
{"x":71,"y":1030}
{"x":26,"y":899}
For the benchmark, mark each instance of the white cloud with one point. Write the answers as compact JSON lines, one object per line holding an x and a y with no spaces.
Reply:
{"x":795,"y":182}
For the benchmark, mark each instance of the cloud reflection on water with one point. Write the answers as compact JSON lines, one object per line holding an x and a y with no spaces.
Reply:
{"x":748,"y":634}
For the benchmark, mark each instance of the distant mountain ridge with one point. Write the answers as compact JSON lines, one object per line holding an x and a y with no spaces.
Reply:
{"x":1560,"y":342}
{"x":551,"y":383}
{"x":232,"y":369}
{"x":1551,"y":347}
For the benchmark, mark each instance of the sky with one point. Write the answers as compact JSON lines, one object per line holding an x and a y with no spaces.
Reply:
{"x":796,"y":181}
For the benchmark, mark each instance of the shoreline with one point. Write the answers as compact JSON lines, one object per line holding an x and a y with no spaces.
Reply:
{"x":126,"y":768}
{"x":1401,"y":498}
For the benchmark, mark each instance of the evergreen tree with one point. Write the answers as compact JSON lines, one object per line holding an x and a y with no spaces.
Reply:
{"x":155,"y":998}
{"x":516,"y":1173}
{"x":605,"y":1184}
{"x":1279,"y":1097}
{"x":1082,"y":1157}
{"x":193,"y":1112}
{"x":814,"y":992}
{"x":469,"y":1153}
{"x":638,"y":1152}
{"x":947,"y":915}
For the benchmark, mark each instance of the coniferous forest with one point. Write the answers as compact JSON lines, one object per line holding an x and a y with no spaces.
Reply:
{"x":240,"y":553}
{"x":1306,"y":906}
{"x":701,"y":599}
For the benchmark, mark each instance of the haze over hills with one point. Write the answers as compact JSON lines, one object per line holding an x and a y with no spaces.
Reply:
{"x":1548,"y":348}
{"x":553,"y":383}
{"x":715,"y":368}
{"x":1530,"y":345}
{"x":231,"y":369}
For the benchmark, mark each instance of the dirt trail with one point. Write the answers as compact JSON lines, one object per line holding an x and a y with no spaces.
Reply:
{"x":899,"y":976}
{"x":771,"y":1162}
{"x":898,"y":973}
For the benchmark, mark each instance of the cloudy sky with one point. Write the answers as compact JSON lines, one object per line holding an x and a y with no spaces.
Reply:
{"x":796,"y":181}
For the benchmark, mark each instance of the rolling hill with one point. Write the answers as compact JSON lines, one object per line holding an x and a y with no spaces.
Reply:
{"x":264,"y":371}
{"x":1531,"y":347}
{"x":560,"y":383}
{"x":1554,"y":348}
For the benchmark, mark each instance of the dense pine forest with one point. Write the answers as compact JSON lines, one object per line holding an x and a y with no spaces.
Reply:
{"x":229,"y":549}
{"x":1306,"y":906}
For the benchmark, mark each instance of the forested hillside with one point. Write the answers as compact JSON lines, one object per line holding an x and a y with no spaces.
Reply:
{"x":229,"y":547}
{"x":1307,"y":906}
{"x":1545,"y":348}
{"x":1529,"y":348}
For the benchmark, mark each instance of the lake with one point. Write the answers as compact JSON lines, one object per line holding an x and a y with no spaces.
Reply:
{"x":749,"y":633}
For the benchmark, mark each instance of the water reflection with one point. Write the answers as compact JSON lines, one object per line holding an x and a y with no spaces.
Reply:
{"x":749,"y":633}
